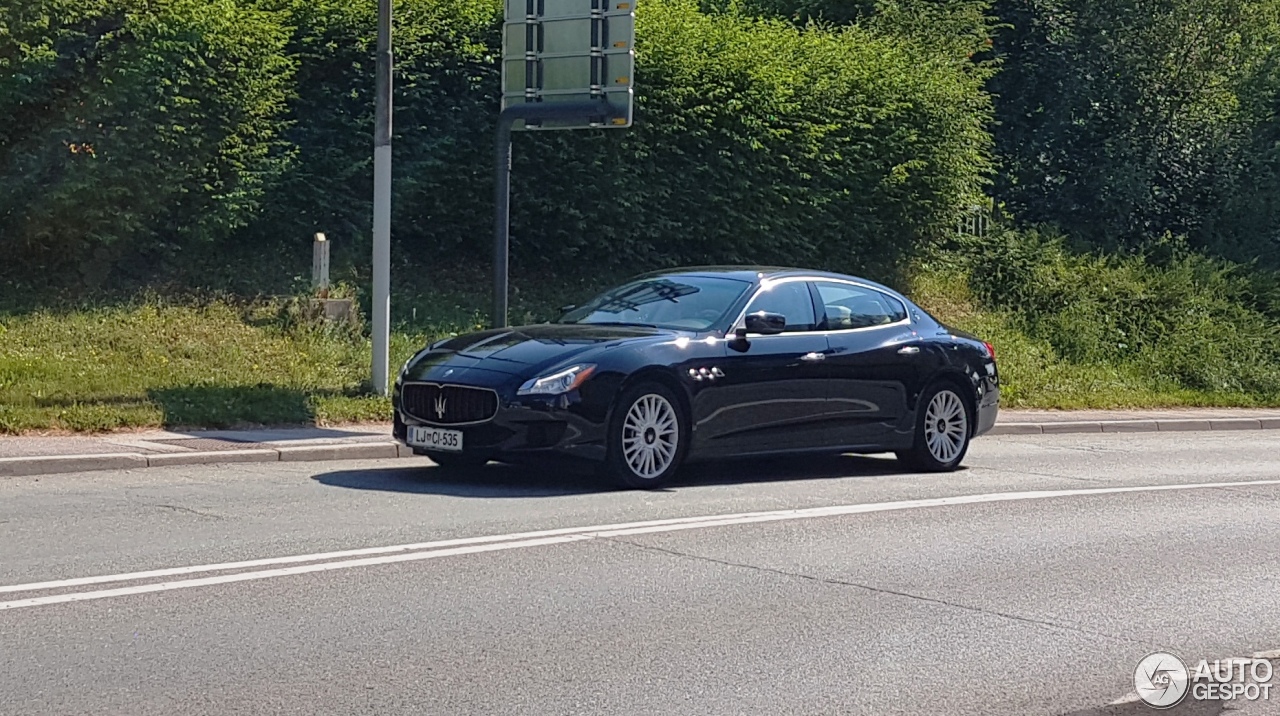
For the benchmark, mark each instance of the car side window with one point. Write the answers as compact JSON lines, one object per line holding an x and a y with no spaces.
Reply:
{"x":791,"y":299}
{"x":847,"y":306}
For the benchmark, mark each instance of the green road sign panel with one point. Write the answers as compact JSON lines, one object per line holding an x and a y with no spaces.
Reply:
{"x":556,"y":51}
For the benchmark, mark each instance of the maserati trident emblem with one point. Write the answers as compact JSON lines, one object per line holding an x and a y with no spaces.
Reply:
{"x":440,"y":403}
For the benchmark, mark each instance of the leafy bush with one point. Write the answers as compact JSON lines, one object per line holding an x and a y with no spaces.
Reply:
{"x":445,"y":88}
{"x":1199,"y":323}
{"x":756,"y":140}
{"x":958,"y":29}
{"x":759,"y":141}
{"x":133,"y":127}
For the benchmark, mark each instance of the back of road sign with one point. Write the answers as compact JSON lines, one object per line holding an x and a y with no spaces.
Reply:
{"x":557,"y":51}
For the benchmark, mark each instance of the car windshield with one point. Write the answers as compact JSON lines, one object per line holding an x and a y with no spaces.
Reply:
{"x":693,"y":303}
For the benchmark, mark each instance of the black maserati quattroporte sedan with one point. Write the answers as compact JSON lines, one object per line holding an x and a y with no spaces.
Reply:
{"x":705,"y":363}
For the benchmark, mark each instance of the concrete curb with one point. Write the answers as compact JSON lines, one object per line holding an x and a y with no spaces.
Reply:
{"x":387,"y":449}
{"x":356,"y":451}
{"x":1136,"y":426}
{"x":206,"y":457}
{"x":53,"y":465}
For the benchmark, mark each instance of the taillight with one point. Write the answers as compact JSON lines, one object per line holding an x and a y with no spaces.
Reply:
{"x":990,"y":350}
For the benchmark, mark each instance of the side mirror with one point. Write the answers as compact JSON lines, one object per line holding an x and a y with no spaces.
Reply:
{"x":765,"y":323}
{"x":566,"y":309}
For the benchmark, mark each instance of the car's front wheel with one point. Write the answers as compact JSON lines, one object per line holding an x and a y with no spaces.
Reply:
{"x":942,"y":431}
{"x":648,"y":437}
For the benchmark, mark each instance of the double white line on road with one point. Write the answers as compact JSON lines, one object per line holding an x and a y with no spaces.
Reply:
{"x":372,"y":556}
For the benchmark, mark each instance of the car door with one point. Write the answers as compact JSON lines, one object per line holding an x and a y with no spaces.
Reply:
{"x":876,"y":360}
{"x":768,"y":392}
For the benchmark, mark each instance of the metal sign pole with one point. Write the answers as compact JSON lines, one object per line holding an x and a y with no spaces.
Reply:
{"x":565,"y":65}
{"x":502,"y":224}
{"x":583,"y":111}
{"x":381,"y":327}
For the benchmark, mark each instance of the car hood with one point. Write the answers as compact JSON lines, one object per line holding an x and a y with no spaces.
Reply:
{"x":523,"y":350}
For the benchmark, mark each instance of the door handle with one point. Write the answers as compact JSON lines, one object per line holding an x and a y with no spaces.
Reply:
{"x":813,"y":357}
{"x":908,"y":350}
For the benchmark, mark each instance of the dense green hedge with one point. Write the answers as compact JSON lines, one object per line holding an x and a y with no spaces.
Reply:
{"x":445,"y":88}
{"x":756,"y":141}
{"x":134,"y":127}
{"x":146,"y":136}
{"x":249,"y":124}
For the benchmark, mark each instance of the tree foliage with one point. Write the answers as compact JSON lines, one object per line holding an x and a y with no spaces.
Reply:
{"x":1120,"y":120}
{"x":958,"y":30}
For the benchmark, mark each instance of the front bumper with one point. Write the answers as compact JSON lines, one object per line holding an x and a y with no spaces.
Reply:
{"x":522,"y":427}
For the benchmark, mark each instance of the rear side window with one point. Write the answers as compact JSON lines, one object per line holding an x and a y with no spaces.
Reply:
{"x":846,"y":306}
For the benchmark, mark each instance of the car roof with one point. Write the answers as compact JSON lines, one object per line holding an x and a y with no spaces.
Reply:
{"x":756,"y":273}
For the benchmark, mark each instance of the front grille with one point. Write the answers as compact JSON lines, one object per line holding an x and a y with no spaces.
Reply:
{"x":448,"y":404}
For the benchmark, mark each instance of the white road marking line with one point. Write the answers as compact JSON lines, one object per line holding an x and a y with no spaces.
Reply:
{"x":324,"y":556}
{"x":283,"y":572}
{"x":494,"y":543}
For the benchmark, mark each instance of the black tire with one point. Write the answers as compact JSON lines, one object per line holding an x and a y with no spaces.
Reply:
{"x":457,"y":462}
{"x":616,"y":465}
{"x":920,"y":457}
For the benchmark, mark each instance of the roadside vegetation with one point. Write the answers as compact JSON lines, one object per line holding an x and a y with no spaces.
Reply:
{"x":1071,"y":331}
{"x":1161,"y":328}
{"x":166,"y":163}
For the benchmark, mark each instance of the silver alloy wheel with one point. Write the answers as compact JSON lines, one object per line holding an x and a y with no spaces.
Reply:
{"x":650,"y":436}
{"x":945,"y":426}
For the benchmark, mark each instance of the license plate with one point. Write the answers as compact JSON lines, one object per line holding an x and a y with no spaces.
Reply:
{"x":435,"y":439}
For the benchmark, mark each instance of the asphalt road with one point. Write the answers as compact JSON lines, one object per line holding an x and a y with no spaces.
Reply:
{"x":1030,"y":583}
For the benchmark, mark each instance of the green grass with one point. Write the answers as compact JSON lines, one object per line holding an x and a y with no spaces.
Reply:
{"x":1034,"y":375}
{"x":201,"y":362}
{"x":226,"y":362}
{"x":154,"y":364}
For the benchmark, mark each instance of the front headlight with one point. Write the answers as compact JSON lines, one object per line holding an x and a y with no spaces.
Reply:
{"x":557,"y":383}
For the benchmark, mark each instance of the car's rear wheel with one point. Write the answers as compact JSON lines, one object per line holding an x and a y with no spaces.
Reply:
{"x":942,"y":431}
{"x":648,"y":437}
{"x":457,"y":462}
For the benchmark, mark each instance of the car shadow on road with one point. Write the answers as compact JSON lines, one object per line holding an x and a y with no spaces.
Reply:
{"x":492,"y":480}
{"x":788,"y":469}
{"x":558,"y":480}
